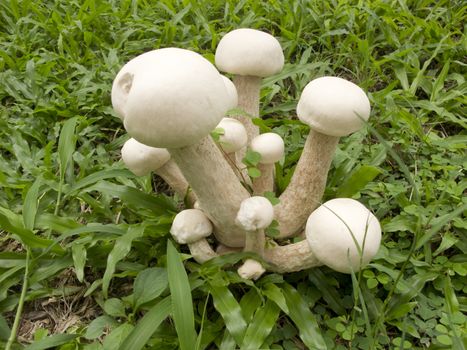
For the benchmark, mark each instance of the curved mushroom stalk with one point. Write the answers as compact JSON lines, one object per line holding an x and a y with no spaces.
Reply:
{"x":202,"y":251}
{"x":271,"y":148}
{"x":142,"y":159}
{"x":250,"y":55}
{"x":216,"y":186}
{"x":290,"y":258}
{"x":328,"y":120}
{"x":306,"y":188}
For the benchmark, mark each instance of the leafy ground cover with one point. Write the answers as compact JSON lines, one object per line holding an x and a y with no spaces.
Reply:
{"x":85,"y":255}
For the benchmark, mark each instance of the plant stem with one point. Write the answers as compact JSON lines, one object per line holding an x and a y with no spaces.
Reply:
{"x":19,"y":310}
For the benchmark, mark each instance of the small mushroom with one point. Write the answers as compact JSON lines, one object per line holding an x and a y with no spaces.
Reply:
{"x":271,"y":148}
{"x":250,"y":55}
{"x":191,"y":226}
{"x":255,"y":214}
{"x":343,"y":234}
{"x":141,"y":160}
{"x":251,"y":269}
{"x":332,"y":107}
{"x":173,"y":100}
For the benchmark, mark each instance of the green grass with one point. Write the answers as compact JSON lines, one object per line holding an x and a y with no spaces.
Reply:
{"x":77,"y":229}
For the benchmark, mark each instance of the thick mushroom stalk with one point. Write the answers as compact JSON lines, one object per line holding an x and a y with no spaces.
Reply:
{"x":343,"y":234}
{"x":291,"y":258}
{"x":172,"y":98}
{"x":191,"y":227}
{"x":250,"y":55}
{"x":271,"y":148}
{"x":255,"y":215}
{"x":332,"y":107}
{"x":141,"y":160}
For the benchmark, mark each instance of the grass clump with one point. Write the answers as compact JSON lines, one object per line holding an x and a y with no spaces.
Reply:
{"x":82,"y":236}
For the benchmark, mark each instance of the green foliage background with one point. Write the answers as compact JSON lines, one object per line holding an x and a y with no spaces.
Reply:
{"x":68,"y":204}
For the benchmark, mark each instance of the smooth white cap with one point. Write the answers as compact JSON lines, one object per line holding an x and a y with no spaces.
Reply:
{"x":251,"y":270}
{"x":231,"y":91}
{"x":170,"y":98}
{"x":333,"y":106}
{"x":234,"y":137}
{"x":249,"y":52}
{"x":270,"y":146}
{"x":190,"y":225}
{"x":255,"y":213}
{"x":141,"y":159}
{"x":328,"y":231}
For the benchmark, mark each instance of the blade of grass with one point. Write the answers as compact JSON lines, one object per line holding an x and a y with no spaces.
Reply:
{"x":51,"y":342}
{"x":182,"y":304}
{"x":30,"y":204}
{"x":146,"y":327}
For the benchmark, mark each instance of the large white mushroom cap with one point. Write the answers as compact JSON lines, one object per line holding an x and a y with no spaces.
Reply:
{"x":334,"y":230}
{"x":249,"y":52}
{"x":234,"y":137}
{"x":270,"y":146}
{"x":231,"y":91}
{"x":255,"y":213}
{"x":141,"y":159}
{"x":170,"y":97}
{"x":333,"y":106}
{"x":190,"y":225}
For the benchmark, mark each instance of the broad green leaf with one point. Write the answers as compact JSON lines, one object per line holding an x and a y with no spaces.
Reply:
{"x":159,"y":204}
{"x":149,"y":284}
{"x":146,"y":326}
{"x":357,"y":180}
{"x":117,"y":336}
{"x":79,"y":259}
{"x":447,"y":242}
{"x":30,"y":204}
{"x":4,"y":329}
{"x":182,"y":304}
{"x":51,"y":342}
{"x":98,"y":176}
{"x":97,"y":326}
{"x":303,"y":318}
{"x":274,"y":293}
{"x":66,"y":144}
{"x":329,"y":292}
{"x":249,"y":303}
{"x":230,"y":310}
{"x":114,"y":307}
{"x":261,"y":326}
{"x":120,"y":250}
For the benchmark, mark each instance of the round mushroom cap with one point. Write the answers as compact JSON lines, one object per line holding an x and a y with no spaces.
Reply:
{"x":251,"y":270}
{"x":234,"y":137}
{"x":249,"y":52}
{"x":231,"y":91}
{"x":190,"y":225}
{"x":170,"y":98}
{"x":270,"y":146}
{"x":141,"y":159}
{"x":333,"y":106}
{"x":255,"y":213}
{"x":334,"y":230}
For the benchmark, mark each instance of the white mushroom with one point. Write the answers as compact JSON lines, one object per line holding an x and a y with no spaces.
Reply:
{"x":231,"y":91}
{"x":251,"y":269}
{"x":332,"y":107}
{"x":255,"y":215}
{"x":141,"y":160}
{"x":191,"y":227}
{"x":343,"y":234}
{"x":271,"y":148}
{"x":172,"y":98}
{"x":250,"y":55}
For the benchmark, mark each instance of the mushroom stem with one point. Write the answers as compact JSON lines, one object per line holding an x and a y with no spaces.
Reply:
{"x":307,"y":186}
{"x":265,"y":182}
{"x":248,"y":88}
{"x":290,"y":258}
{"x":172,"y":175}
{"x":201,"y":251}
{"x":216,"y":186}
{"x":254,"y":242}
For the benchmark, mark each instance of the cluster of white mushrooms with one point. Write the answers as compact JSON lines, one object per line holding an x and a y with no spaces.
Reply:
{"x":171,"y":100}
